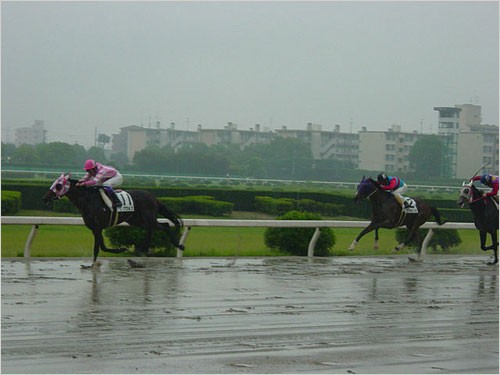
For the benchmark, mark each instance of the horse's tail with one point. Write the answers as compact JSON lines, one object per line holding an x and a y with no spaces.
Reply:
{"x":437,"y":216}
{"x":173,"y":217}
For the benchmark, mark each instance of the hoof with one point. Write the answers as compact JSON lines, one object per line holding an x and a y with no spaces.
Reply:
{"x":353,"y":245}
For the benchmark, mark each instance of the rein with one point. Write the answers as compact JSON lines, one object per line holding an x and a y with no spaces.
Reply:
{"x":373,"y":192}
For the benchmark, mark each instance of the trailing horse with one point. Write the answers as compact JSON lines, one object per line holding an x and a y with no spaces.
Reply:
{"x":485,"y":213}
{"x":388,"y":213}
{"x":98,"y":215}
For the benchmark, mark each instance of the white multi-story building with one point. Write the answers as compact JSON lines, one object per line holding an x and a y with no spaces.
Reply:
{"x":31,"y":135}
{"x":468,"y":144}
{"x":386,"y":150}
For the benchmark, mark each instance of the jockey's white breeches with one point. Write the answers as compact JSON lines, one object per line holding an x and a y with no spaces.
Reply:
{"x":400,"y":191}
{"x":114,"y":181}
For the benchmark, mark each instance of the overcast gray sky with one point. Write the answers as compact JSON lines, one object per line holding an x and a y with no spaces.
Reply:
{"x":83,"y":65}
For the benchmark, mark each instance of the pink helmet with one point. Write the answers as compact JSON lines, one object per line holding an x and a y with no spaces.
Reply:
{"x":89,"y":164}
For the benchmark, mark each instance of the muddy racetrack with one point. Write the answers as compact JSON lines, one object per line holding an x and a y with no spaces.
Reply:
{"x":249,"y":315}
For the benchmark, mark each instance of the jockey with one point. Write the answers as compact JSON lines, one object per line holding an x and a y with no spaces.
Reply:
{"x":394,"y":185}
{"x":490,"y":181}
{"x":102,"y":175}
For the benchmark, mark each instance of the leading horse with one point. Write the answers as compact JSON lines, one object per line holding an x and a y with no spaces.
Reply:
{"x":387,"y":213}
{"x":97,"y":215}
{"x":485,"y":214}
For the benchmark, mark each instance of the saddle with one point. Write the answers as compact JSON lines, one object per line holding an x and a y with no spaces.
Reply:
{"x":123,"y":196}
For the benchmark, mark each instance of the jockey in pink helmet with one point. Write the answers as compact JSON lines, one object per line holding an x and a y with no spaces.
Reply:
{"x":102,"y":175}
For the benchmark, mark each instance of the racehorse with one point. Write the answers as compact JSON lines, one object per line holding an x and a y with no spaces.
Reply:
{"x":387,"y":213}
{"x":485,"y":215}
{"x":97,"y":215}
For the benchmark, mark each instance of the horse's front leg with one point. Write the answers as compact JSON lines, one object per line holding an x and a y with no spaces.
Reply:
{"x":368,"y":229}
{"x":494,"y":239}
{"x":482,"y":237}
{"x":98,"y":240}
{"x":494,"y":245}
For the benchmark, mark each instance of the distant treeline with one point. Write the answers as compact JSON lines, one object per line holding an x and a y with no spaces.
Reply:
{"x":283,"y":158}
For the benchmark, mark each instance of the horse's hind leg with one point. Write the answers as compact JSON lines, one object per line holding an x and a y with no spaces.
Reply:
{"x":174,"y":238}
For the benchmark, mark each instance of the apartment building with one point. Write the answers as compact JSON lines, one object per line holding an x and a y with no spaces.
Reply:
{"x":31,"y":135}
{"x":468,"y":144}
{"x":386,"y":150}
{"x":332,"y":144}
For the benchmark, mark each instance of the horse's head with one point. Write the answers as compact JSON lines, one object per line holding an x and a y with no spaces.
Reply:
{"x":466,"y":194}
{"x":366,"y":187}
{"x":58,"y":189}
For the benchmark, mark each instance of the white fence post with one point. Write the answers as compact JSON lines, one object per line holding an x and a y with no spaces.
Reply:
{"x":183,"y":240}
{"x":29,"y":241}
{"x":312,"y":243}
{"x":425,"y":243}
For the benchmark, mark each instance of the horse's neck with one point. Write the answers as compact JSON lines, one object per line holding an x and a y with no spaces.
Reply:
{"x":379,"y":197}
{"x":79,"y":198}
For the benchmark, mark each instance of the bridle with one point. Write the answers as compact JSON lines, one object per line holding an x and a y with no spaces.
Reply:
{"x":372,"y":192}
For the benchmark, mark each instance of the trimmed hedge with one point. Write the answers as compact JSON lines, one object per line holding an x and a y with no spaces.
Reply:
{"x":11,"y":202}
{"x":201,"y":204}
{"x":243,"y":200}
{"x":296,"y":240}
{"x":279,"y":206}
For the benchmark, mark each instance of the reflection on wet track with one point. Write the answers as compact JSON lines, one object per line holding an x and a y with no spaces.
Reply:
{"x":251,"y":315}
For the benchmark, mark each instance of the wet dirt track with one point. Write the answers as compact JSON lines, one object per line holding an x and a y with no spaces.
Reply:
{"x":249,"y":315}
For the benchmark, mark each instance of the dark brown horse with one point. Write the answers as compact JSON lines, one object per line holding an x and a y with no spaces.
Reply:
{"x":485,"y":213}
{"x":98,"y":216}
{"x":386,"y":213}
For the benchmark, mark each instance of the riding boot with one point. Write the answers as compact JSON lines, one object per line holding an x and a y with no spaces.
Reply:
{"x":114,"y":198}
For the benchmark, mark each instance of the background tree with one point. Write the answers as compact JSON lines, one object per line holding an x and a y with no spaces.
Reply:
{"x":102,"y":140}
{"x":97,"y":154}
{"x":56,"y":154}
{"x":26,"y":154}
{"x":8,"y":150}
{"x":427,"y":157}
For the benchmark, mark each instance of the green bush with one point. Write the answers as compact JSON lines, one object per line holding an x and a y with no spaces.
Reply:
{"x":11,"y":202}
{"x":443,"y":238}
{"x":64,"y":205}
{"x":127,"y":236}
{"x":274,"y":206}
{"x":202,"y":204}
{"x":296,"y":240}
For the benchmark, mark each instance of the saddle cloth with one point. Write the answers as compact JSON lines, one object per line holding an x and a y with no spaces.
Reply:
{"x":409,"y":206}
{"x":123,"y":196}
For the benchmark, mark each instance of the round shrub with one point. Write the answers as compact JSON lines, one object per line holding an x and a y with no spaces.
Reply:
{"x":443,"y":238}
{"x":127,"y":236}
{"x":296,"y":240}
